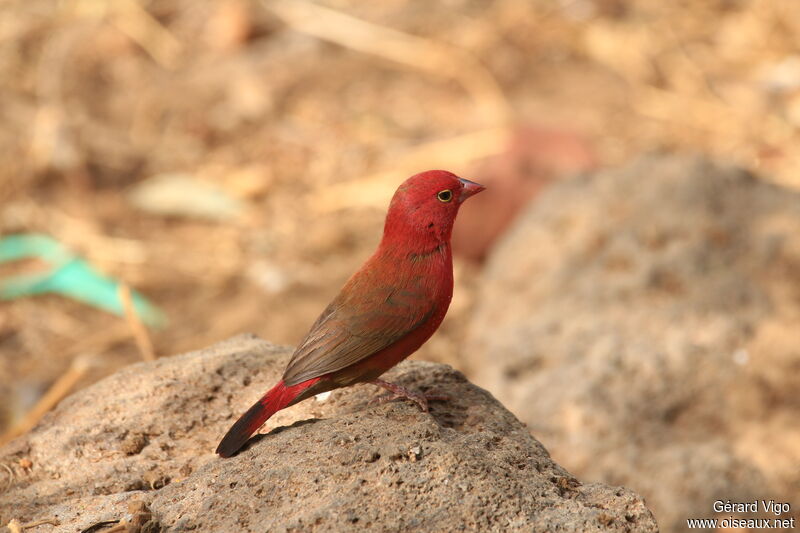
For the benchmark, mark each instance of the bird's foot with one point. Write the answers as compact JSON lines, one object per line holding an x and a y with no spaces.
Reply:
{"x":398,"y":392}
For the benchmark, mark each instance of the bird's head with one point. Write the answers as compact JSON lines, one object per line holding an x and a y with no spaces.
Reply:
{"x":425,"y":206}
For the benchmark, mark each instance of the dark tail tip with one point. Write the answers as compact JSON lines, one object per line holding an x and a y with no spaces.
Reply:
{"x":237,"y":436}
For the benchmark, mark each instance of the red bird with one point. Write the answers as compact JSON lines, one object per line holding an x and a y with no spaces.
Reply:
{"x":384,"y":312}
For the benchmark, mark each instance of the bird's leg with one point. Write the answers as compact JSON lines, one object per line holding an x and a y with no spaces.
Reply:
{"x":401,"y":392}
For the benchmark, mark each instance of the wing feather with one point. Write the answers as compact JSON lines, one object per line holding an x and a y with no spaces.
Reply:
{"x":354,"y":327}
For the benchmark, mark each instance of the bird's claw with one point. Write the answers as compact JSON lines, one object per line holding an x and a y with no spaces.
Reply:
{"x":399,"y":392}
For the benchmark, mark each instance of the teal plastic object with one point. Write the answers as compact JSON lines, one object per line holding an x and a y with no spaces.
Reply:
{"x":71,"y":276}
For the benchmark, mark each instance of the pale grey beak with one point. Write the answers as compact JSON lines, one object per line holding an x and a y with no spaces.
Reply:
{"x":470,"y":188}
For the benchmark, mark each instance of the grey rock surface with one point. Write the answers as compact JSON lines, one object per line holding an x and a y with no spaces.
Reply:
{"x":644,"y":323}
{"x":147,"y":433}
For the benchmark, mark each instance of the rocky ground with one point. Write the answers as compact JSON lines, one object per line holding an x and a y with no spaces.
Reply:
{"x":643,"y":323}
{"x":136,"y":449}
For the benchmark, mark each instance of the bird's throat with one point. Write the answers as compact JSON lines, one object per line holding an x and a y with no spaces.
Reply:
{"x":420,"y":256}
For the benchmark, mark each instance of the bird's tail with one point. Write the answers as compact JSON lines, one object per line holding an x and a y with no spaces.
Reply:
{"x":278,"y":397}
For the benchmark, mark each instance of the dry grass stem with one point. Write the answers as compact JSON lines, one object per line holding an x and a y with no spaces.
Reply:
{"x":375,"y":189}
{"x":10,"y":477}
{"x":139,"y":332}
{"x":417,"y":52}
{"x":63,"y":385}
{"x":37,"y":523}
{"x":133,"y":20}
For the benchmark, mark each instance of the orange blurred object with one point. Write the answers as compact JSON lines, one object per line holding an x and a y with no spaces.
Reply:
{"x":535,"y":156}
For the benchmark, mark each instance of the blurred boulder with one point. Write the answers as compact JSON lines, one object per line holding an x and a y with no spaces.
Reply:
{"x":137,"y":447}
{"x":643,"y":323}
{"x":533,"y":158}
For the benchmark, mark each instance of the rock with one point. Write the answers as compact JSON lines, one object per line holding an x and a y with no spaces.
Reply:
{"x":533,"y":157}
{"x":643,"y":322}
{"x":138,"y":446}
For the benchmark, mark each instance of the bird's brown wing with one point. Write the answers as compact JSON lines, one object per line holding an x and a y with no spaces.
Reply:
{"x":355,"y":325}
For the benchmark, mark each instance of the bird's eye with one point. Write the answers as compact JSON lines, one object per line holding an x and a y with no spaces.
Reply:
{"x":445,"y":195}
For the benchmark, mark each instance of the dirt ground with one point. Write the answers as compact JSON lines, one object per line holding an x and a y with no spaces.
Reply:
{"x":308,"y":117}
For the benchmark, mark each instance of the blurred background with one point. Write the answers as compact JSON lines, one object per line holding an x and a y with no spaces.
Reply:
{"x":230,"y":162}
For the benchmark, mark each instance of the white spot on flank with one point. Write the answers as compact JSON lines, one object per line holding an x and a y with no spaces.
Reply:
{"x":322,"y":396}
